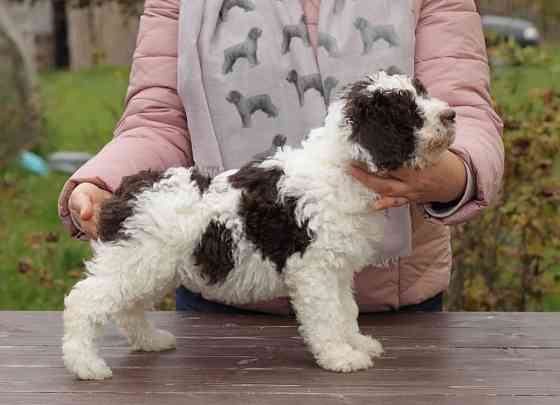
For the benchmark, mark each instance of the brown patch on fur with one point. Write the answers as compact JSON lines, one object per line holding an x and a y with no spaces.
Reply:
{"x":384,"y":123}
{"x":268,"y":223}
{"x":393,"y":71}
{"x":202,"y":181}
{"x":214,"y":253}
{"x":116,"y":209}
{"x":420,"y":88}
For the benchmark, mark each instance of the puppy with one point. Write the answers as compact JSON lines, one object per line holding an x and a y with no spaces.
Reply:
{"x":292,"y":224}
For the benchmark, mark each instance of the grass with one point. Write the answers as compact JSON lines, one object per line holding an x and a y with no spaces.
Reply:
{"x":38,"y":260}
{"x":513,"y":86}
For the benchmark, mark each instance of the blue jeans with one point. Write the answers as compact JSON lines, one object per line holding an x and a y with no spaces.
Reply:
{"x":189,"y":301}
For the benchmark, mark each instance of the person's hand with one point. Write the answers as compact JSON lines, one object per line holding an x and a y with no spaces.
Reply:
{"x":84,"y":204}
{"x":443,"y":182}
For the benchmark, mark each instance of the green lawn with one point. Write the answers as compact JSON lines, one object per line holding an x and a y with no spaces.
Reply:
{"x":38,"y":261}
{"x":513,"y":86}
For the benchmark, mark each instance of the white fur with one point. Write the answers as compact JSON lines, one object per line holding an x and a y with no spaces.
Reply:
{"x":128,"y":276}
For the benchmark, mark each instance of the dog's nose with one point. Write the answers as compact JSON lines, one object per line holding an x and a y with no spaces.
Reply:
{"x":448,"y":116}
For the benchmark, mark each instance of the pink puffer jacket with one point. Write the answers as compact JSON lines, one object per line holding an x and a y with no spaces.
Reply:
{"x":450,"y":60}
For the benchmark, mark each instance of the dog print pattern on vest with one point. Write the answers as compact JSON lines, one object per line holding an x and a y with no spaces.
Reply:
{"x":246,"y":49}
{"x":328,"y":43}
{"x":338,"y":6}
{"x":292,"y":31}
{"x":247,"y":106}
{"x":329,"y":85}
{"x":370,"y":34}
{"x":302,"y":83}
{"x":246,"y":5}
{"x":278,"y":143}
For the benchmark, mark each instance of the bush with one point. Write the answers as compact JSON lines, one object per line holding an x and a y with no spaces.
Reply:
{"x":508,"y":259}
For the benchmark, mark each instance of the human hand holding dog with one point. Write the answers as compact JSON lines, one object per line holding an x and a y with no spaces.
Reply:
{"x":84,"y":204}
{"x":443,"y":182}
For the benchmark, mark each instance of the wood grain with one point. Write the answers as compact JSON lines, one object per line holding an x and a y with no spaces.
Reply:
{"x":445,"y":358}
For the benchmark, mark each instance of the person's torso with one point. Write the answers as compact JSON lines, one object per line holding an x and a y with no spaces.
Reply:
{"x":252,"y":70}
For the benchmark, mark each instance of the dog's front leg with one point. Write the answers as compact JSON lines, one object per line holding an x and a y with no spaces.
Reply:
{"x":313,"y":286}
{"x":355,"y":338}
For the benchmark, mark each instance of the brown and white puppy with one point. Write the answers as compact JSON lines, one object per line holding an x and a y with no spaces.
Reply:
{"x":292,"y":224}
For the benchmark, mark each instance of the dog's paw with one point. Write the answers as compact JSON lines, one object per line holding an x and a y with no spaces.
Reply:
{"x":343,"y":358}
{"x":366,"y":344}
{"x":158,"y":341}
{"x":94,"y":369}
{"x":87,"y":366}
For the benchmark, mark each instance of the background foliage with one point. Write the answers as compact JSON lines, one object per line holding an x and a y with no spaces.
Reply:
{"x":509,"y":258}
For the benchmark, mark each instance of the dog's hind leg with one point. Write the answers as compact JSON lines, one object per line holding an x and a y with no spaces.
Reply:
{"x":141,"y":334}
{"x":313,"y":287}
{"x":144,"y":274}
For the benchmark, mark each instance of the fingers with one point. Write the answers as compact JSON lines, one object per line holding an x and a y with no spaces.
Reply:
{"x":89,"y":228}
{"x":389,"y":202}
{"x":394,"y":192}
{"x":404,"y":174}
{"x":81,"y":205}
{"x":384,"y":186}
{"x":84,"y":204}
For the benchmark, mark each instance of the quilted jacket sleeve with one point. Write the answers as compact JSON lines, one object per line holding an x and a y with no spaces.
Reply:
{"x":152,"y":133}
{"x":451,"y":60}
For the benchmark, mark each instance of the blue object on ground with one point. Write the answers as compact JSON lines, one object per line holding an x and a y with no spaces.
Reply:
{"x":33,"y":163}
{"x":68,"y":162}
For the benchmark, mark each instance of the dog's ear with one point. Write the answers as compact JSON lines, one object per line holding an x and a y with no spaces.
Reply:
{"x":383,"y":122}
{"x":393,"y":71}
{"x":419,"y":86}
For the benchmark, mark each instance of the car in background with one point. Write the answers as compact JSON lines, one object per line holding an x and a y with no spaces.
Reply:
{"x":523,"y":32}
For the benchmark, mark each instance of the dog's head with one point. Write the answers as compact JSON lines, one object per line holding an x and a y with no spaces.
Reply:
{"x":234,"y":97}
{"x":292,"y":76}
{"x":394,"y":123}
{"x":255,"y":33}
{"x":360,"y":23}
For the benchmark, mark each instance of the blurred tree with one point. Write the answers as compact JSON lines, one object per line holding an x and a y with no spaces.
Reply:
{"x":131,"y":6}
{"x":19,"y":101}
{"x":508,"y":259}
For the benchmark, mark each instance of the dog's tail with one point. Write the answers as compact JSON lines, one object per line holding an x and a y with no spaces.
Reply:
{"x":115,"y":211}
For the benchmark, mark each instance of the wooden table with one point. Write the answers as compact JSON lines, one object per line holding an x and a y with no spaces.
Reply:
{"x":447,"y":358}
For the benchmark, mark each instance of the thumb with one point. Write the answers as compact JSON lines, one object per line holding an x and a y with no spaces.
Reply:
{"x":82,"y":205}
{"x":86,"y":212}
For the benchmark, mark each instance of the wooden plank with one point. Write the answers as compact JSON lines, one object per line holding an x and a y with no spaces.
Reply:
{"x":269,"y":399}
{"x":234,"y":332}
{"x":455,"y":358}
{"x":422,"y":320}
{"x":431,"y":359}
{"x":289,"y":381}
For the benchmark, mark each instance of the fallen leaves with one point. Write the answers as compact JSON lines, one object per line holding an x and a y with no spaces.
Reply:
{"x":25,"y":266}
{"x":36,"y":239}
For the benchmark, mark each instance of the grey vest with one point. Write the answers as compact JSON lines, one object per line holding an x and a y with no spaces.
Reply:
{"x":247,"y":72}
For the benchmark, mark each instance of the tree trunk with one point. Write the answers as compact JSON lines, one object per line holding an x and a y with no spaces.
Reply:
{"x":19,"y":109}
{"x":16,"y":42}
